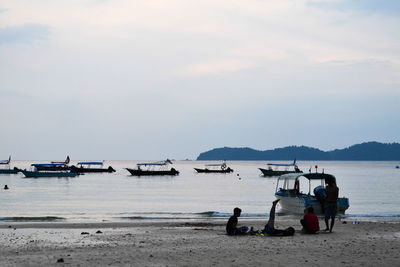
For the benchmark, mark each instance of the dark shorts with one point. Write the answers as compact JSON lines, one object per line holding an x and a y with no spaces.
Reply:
{"x":330,"y":210}
{"x":240,"y":231}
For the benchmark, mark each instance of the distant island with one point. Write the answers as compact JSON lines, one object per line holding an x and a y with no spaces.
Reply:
{"x":366,"y":151}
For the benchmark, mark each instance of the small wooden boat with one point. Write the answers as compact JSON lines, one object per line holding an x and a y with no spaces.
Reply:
{"x":51,"y":166}
{"x":277,"y":172}
{"x":5,"y":167}
{"x":153,"y":169}
{"x":39,"y":174}
{"x":215,"y":168}
{"x":87,"y":167}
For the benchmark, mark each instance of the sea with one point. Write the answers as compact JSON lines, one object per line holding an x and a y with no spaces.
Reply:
{"x":372,"y":188}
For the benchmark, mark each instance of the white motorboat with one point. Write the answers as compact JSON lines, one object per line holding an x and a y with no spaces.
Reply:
{"x":293,"y":200}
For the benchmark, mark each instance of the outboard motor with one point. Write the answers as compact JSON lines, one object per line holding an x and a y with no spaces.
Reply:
{"x":111,"y":169}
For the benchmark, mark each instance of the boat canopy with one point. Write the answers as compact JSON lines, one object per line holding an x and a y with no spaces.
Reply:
{"x":158,"y":163}
{"x":5,"y":162}
{"x":49,"y":164}
{"x":281,"y":164}
{"x":152,"y":164}
{"x":90,"y":163}
{"x":215,"y":165}
{"x":309,"y":176}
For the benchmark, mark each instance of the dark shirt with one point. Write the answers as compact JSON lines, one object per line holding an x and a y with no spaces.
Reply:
{"x":231,"y":225}
{"x":332,"y":194}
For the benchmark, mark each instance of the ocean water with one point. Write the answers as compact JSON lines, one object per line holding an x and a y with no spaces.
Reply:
{"x":372,"y":188}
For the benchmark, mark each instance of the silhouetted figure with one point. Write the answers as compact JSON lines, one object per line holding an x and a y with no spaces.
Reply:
{"x":270,"y":226}
{"x":332,"y":194}
{"x":231,"y":226}
{"x":310,"y":222}
{"x":6,"y":187}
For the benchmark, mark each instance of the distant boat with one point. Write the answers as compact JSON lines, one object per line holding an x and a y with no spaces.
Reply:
{"x":293,"y":200}
{"x":48,"y":170}
{"x":39,"y":174}
{"x":5,"y":167}
{"x":91,"y":166}
{"x":397,"y":167}
{"x":51,"y":166}
{"x":276,"y":172}
{"x":215,"y":168}
{"x":153,"y":169}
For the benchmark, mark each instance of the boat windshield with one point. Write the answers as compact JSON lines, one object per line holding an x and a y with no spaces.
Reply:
{"x":303,"y":183}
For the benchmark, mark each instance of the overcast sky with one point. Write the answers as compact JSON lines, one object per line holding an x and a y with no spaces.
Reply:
{"x":126,"y":79}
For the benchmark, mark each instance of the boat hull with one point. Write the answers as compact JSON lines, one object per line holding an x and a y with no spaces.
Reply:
{"x":136,"y":172}
{"x":9,"y":171}
{"x":52,"y":168}
{"x":300,"y":204}
{"x":228,"y":170}
{"x":37,"y":174}
{"x":271,"y":173}
{"x":91,"y":170}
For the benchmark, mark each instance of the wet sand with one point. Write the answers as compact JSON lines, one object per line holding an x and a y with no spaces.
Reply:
{"x":196,"y":243}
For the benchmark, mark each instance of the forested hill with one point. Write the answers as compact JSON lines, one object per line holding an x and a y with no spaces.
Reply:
{"x":364,"y":151}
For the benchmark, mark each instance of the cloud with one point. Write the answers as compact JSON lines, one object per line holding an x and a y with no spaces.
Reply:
{"x":215,"y":67}
{"x":26,"y":33}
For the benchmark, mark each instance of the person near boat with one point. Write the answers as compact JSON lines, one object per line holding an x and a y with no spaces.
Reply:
{"x":332,"y":194}
{"x":231,"y":226}
{"x":310,"y":222}
{"x":270,"y":226}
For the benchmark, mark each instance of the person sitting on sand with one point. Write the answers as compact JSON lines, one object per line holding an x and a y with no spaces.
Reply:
{"x":332,"y":194}
{"x":231,"y":226}
{"x":6,"y":187}
{"x":310,"y":222}
{"x":270,"y":226}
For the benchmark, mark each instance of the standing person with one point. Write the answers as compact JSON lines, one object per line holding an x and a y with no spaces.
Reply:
{"x":332,"y":194}
{"x":270,"y":226}
{"x":310,"y":222}
{"x":231,"y":226}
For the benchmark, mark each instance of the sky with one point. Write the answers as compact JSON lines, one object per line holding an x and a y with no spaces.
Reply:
{"x":156,"y":79}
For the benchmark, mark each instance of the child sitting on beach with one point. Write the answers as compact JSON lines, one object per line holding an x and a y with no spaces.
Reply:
{"x":231,"y":226}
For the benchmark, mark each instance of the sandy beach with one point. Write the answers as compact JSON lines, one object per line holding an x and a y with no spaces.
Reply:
{"x":195,"y":243}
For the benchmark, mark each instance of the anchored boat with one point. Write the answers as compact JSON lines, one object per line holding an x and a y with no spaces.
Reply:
{"x":50,"y":172}
{"x":39,"y":174}
{"x":215,"y":168}
{"x":153,"y":168}
{"x":5,"y":167}
{"x":53,"y":166}
{"x":277,"y":172}
{"x":92,"y":166}
{"x":293,"y":200}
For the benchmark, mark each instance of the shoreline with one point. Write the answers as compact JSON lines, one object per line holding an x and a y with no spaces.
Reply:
{"x":196,"y":243}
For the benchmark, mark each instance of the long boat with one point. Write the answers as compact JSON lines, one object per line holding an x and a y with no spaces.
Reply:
{"x":51,"y":166}
{"x":87,"y":167}
{"x":215,"y":168}
{"x":153,"y":169}
{"x":39,"y":174}
{"x":5,"y":167}
{"x":277,"y":172}
{"x":294,"y":200}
